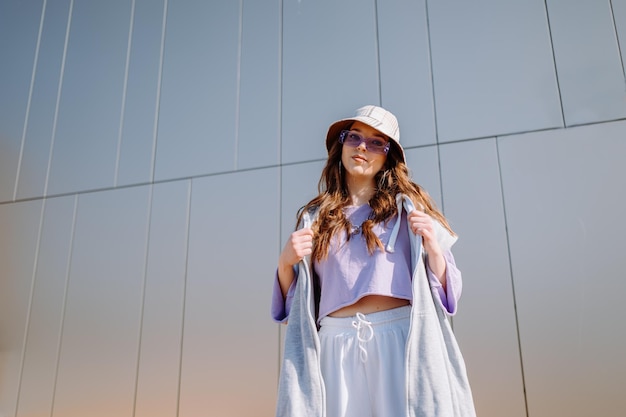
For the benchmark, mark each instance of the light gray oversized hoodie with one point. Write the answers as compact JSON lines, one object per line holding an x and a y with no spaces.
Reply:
{"x":436,"y":379}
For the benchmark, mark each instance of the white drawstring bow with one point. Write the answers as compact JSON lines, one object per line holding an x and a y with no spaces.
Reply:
{"x":364,"y":333}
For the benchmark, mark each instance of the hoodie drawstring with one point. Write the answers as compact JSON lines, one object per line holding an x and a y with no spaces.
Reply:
{"x":396,"y":227}
{"x":402,"y":202}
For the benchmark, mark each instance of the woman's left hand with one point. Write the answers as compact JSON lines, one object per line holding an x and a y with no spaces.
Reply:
{"x":422,"y":224}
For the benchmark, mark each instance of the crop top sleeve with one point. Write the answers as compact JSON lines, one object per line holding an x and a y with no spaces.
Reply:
{"x":281,"y":306}
{"x":454,"y":283}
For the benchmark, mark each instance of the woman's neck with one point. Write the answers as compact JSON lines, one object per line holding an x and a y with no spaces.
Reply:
{"x":361,"y":192}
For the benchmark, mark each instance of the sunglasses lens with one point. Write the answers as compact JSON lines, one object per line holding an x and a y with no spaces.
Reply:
{"x":354,"y":139}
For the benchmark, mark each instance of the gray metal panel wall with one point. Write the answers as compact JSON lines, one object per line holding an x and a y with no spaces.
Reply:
{"x":227,"y":349}
{"x":586,"y":51}
{"x":20,"y":224}
{"x":258,"y":116}
{"x":618,"y":9}
{"x":405,"y":68}
{"x":565,"y":234}
{"x":158,"y":371}
{"x":37,"y":141}
{"x":492,"y":68}
{"x":298,"y":187}
{"x":19,"y":34}
{"x":423,"y":164}
{"x":153,"y":156}
{"x":196,"y":129}
{"x":137,"y":136}
{"x":330,"y":67}
{"x":39,"y":372}
{"x":486,"y":325}
{"x":87,"y":127}
{"x":102,"y":308}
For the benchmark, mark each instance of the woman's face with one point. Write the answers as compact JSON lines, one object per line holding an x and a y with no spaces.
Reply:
{"x":361,"y":163}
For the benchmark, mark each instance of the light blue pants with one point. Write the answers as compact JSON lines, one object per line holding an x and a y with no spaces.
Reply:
{"x":363,"y":361}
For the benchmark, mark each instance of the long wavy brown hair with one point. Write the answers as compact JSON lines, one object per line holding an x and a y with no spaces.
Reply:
{"x":333,"y":196}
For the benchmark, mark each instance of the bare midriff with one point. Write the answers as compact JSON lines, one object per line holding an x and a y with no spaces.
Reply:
{"x":370,"y":304}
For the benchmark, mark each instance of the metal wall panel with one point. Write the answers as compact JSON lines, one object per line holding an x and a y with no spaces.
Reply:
{"x":298,"y":187}
{"x":423,"y":165}
{"x":230,"y":344}
{"x":618,"y":7}
{"x":330,"y":68}
{"x":196,"y":128}
{"x":138,"y":133}
{"x":35,"y":158}
{"x":588,"y":62}
{"x":564,"y":215}
{"x":100,"y":337}
{"x":85,"y":142}
{"x":36,"y":394}
{"x":19,"y":223}
{"x":258,"y":134}
{"x":493,"y":68}
{"x":405,"y":72}
{"x":162,"y":323}
{"x":19,"y":31}
{"x":485,"y":325}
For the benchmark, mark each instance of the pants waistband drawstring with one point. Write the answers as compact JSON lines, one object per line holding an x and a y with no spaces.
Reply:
{"x":364,"y":333}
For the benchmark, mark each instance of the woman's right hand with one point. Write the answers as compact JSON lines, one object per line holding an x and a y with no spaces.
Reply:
{"x":299,"y":245}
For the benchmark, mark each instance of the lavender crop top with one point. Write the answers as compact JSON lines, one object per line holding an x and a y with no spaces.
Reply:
{"x":350,"y":273}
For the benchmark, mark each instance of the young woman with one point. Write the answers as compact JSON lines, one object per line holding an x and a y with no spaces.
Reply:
{"x":366,"y":285}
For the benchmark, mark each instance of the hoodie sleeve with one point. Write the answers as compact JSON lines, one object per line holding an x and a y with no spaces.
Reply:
{"x":282,"y":306}
{"x":454,"y":284}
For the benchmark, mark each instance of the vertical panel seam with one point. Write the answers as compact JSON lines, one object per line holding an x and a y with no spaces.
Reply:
{"x":432,"y":72}
{"x":184,"y":303}
{"x":157,"y":107}
{"x":58,"y":98}
{"x":556,"y":72}
{"x":377,"y":40}
{"x":68,"y":269}
{"x":280,"y":82}
{"x":619,"y":47}
{"x":30,"y":305}
{"x":143,"y":293}
{"x":280,"y":154}
{"x":29,"y":100}
{"x":434,"y":104}
{"x":124,"y":91}
{"x":508,"y":248}
{"x":238,"y":86}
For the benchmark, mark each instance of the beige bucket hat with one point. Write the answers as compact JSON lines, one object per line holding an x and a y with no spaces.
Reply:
{"x":380,"y":119}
